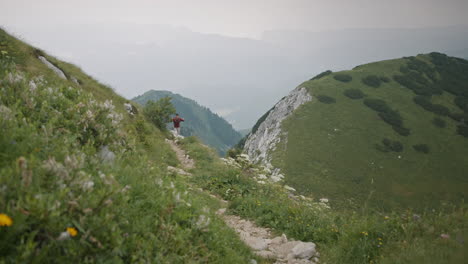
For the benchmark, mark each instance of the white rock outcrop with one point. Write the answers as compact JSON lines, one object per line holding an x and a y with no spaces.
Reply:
{"x":51,"y":66}
{"x":268,"y":135}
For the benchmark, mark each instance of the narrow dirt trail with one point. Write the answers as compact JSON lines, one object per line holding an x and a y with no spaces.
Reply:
{"x":259,"y":239}
{"x":185,"y":160}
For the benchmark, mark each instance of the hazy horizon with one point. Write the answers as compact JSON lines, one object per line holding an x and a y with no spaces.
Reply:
{"x":236,"y":58}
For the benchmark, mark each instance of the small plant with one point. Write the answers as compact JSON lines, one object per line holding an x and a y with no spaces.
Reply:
{"x":438,"y":122}
{"x":321,"y":75}
{"x":392,"y":145}
{"x":434,"y":108}
{"x":388,"y":115}
{"x":343,"y":77}
{"x":354,"y":93}
{"x":326,"y":99}
{"x":159,"y":112}
{"x":372,"y":81}
{"x":423,"y":148}
{"x":462,"y":103}
{"x":384,"y":79}
{"x":463,"y":130}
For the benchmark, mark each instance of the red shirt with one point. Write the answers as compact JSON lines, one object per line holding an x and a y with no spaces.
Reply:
{"x":176,"y":120}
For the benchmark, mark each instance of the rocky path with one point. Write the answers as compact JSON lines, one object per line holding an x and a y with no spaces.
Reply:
{"x":185,"y":160}
{"x":259,"y":239}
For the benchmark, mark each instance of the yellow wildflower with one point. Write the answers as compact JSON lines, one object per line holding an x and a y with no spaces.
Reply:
{"x":72,"y":231}
{"x":386,"y":217}
{"x":5,"y":220}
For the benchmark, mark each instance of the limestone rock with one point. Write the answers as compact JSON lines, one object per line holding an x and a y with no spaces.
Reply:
{"x":304,"y":250}
{"x":51,"y":66}
{"x":268,"y":133}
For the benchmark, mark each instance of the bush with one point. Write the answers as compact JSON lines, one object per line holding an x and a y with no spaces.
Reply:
{"x":343,"y":77}
{"x":384,"y":79}
{"x":391,"y":145}
{"x":463,"y":130}
{"x":372,"y":81}
{"x":233,"y":152}
{"x":377,"y":105}
{"x":461,"y":102}
{"x":423,"y":148}
{"x":438,"y":122}
{"x":354,"y":93}
{"x":321,"y":75}
{"x":326,"y":99}
{"x":460,"y":117}
{"x":403,"y":131}
{"x":391,"y":117}
{"x":417,"y":87}
{"x":159,"y":112}
{"x":388,"y":115}
{"x":434,"y":108}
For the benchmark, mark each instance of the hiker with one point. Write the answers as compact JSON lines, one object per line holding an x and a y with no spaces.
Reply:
{"x":176,"y":120}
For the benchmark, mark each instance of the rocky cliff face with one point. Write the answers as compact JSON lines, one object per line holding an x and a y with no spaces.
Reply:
{"x":261,"y":142}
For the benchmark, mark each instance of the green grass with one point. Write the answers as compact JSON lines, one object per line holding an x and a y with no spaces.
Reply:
{"x":342,"y":236}
{"x":130,"y":210}
{"x":330,"y":150}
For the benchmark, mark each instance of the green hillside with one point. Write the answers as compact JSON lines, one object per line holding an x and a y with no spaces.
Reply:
{"x":84,"y":181}
{"x":212,"y":129}
{"x":391,"y":133}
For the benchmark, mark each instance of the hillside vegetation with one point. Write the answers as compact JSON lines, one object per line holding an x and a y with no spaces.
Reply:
{"x":388,"y":134}
{"x":212,"y":129}
{"x":84,"y":181}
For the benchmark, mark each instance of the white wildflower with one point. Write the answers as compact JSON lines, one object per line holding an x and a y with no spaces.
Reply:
{"x":87,"y":185}
{"x":108,"y":105}
{"x":32,"y":86}
{"x":64,"y":236}
{"x":5,"y":113}
{"x":126,"y":188}
{"x":203,"y":222}
{"x":323,"y":200}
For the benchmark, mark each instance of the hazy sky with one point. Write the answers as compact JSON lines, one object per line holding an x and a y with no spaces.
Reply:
{"x":262,"y":48}
{"x":240,"y":18}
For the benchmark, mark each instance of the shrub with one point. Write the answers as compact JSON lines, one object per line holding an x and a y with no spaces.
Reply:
{"x":438,"y":122}
{"x":423,"y":148}
{"x":463,"y":130}
{"x":388,"y":115}
{"x":233,"y":152}
{"x":326,"y":99}
{"x":343,"y":77}
{"x":384,"y":79}
{"x":321,"y":75}
{"x":434,"y":108}
{"x":159,"y":112}
{"x":391,"y":145}
{"x":403,"y":131}
{"x":372,"y":81}
{"x":416,"y":82}
{"x":459,"y":117}
{"x":377,"y":105}
{"x":461,"y":102}
{"x":391,"y":117}
{"x":354,"y":93}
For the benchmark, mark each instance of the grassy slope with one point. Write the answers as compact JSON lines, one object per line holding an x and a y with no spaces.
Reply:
{"x":200,"y":121}
{"x":341,"y":236}
{"x":331,"y":150}
{"x":128,"y":211}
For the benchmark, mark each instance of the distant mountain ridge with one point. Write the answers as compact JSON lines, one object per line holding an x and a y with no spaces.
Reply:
{"x":200,"y":121}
